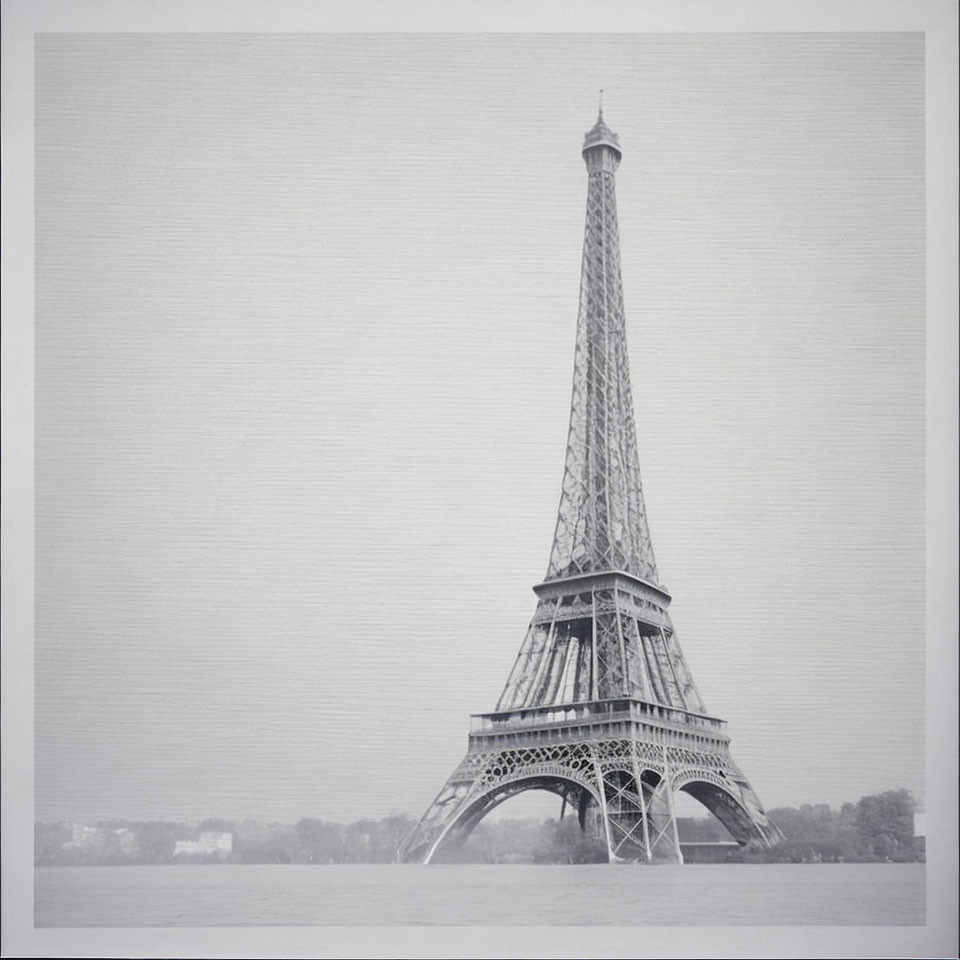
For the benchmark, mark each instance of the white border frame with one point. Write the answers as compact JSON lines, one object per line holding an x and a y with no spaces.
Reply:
{"x":21,"y":19}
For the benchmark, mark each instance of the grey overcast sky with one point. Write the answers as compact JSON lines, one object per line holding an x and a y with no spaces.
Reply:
{"x":305,"y":312}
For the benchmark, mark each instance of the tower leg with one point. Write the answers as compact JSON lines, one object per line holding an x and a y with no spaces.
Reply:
{"x":484,"y":780}
{"x":611,"y":856}
{"x":648,"y":853}
{"x":662,"y":842}
{"x":668,"y":782}
{"x":635,"y":825}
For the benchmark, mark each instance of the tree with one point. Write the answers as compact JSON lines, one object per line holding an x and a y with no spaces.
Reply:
{"x":884,"y":824}
{"x":563,"y":841}
{"x":156,"y":841}
{"x":48,"y":838}
{"x":266,"y":843}
{"x":703,"y":829}
{"x":317,"y":841}
{"x":391,"y":832}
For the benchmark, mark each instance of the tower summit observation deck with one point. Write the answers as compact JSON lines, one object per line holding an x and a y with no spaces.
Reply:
{"x":600,"y":707}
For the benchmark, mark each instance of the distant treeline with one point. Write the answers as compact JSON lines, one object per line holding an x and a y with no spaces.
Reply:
{"x":878,"y":828}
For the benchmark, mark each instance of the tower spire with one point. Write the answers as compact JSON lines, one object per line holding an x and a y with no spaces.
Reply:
{"x":600,"y":706}
{"x":601,"y":520}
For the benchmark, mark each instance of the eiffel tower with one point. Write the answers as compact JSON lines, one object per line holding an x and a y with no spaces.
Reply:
{"x":600,"y":707}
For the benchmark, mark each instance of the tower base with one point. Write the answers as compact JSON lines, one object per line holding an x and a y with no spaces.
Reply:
{"x":621,"y":760}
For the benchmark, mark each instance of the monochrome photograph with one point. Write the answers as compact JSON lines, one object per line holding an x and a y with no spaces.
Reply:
{"x":479,"y":491}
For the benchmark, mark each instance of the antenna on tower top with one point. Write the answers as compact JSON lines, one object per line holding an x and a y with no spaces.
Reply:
{"x":601,"y":103}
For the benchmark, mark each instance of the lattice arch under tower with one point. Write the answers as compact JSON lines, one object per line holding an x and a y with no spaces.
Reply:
{"x":600,"y":706}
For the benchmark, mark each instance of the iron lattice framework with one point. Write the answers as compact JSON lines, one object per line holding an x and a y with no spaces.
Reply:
{"x":600,"y":706}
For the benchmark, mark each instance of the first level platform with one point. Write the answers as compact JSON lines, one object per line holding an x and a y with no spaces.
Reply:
{"x":599,"y":720}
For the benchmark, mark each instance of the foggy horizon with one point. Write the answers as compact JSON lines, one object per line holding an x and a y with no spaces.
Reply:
{"x":532,"y":805}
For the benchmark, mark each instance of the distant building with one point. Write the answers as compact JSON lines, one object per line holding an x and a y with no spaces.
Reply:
{"x":84,"y":837}
{"x":102,"y":840}
{"x":128,"y":841}
{"x":919,"y":822}
{"x":920,"y":832}
{"x":209,"y":842}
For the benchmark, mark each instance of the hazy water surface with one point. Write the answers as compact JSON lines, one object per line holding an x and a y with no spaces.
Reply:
{"x":392,"y":894}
